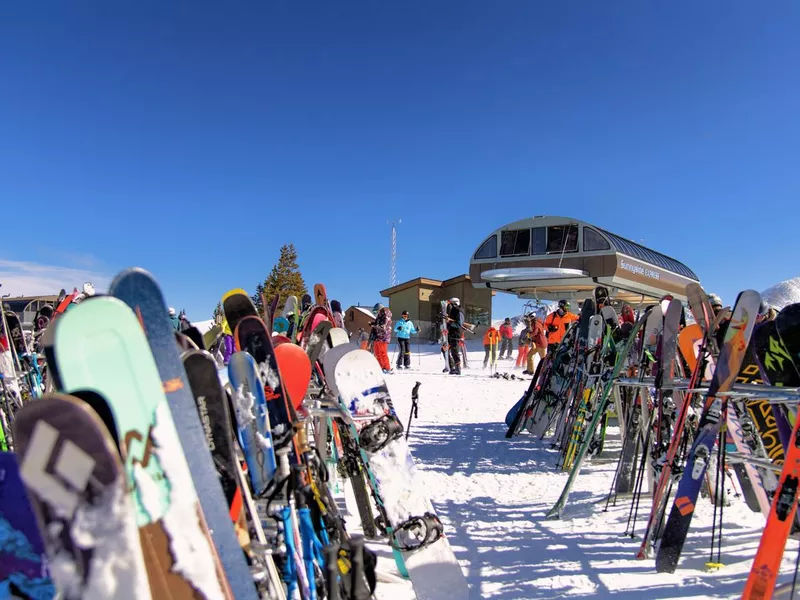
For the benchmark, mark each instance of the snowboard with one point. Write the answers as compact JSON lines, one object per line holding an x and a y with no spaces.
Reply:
{"x":24,"y":568}
{"x":417,"y":531}
{"x":140,"y":292}
{"x":236,"y":305}
{"x":251,"y":335}
{"x":74,"y":478}
{"x":338,"y":336}
{"x":101,"y":346}
{"x":252,"y":418}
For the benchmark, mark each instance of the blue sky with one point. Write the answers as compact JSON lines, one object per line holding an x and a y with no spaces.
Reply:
{"x":194,"y":138}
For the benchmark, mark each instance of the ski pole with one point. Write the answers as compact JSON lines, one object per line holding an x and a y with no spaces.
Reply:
{"x":414,"y":406}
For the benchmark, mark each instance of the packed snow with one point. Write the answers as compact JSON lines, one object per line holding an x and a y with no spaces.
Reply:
{"x":492,"y":494}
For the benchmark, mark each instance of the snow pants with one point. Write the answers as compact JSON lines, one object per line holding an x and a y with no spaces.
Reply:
{"x":380,"y":349}
{"x":523,"y":355}
{"x":533,"y":352}
{"x":455,"y":353}
{"x":505,"y":347}
{"x":404,"y":356}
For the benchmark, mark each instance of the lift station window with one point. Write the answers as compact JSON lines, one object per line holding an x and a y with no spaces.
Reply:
{"x":516,"y":242}
{"x":539,"y":245}
{"x":488,"y":248}
{"x":593,"y":241}
{"x":562,"y":238}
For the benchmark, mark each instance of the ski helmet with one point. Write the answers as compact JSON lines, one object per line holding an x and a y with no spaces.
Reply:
{"x":404,"y":313}
{"x":715,"y":300}
{"x":377,"y":308}
{"x":171,"y":312}
{"x":763,"y":309}
{"x":563,"y":304}
{"x":455,"y":301}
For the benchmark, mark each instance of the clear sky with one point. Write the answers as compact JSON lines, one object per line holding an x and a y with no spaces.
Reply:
{"x":194,"y":138}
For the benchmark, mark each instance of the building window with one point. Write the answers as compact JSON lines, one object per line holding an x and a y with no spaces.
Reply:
{"x":515,"y":243}
{"x":476,"y":315}
{"x":488,"y":249}
{"x":539,"y":245}
{"x":592,"y":240}
{"x":562,"y":238}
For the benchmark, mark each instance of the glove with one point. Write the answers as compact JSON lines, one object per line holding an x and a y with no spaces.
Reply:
{"x":552,"y":328}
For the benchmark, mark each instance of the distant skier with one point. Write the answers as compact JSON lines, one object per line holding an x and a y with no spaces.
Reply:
{"x":362,"y":339}
{"x":556,"y":324}
{"x":506,"y":338}
{"x":173,"y":318}
{"x":338,"y":318}
{"x":454,"y":321}
{"x":404,"y":329}
{"x":382,"y":335}
{"x":523,"y":346}
{"x":491,"y":339}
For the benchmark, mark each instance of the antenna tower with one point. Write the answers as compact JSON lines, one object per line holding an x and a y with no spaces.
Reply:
{"x":393,"y":265}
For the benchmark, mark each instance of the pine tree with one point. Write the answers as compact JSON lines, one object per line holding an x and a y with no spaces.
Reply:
{"x":284,"y":280}
{"x":217,"y":315}
{"x":257,"y":299}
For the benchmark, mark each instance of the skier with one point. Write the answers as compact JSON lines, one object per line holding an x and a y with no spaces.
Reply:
{"x":538,"y":342}
{"x":556,"y":324}
{"x":173,"y":318}
{"x":382,"y":335}
{"x":404,"y":329}
{"x":506,"y":337}
{"x":454,"y":322}
{"x":362,"y":338}
{"x":523,"y":346}
{"x":490,"y":338}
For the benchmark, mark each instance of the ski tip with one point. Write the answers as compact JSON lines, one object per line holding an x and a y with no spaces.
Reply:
{"x":713,"y":567}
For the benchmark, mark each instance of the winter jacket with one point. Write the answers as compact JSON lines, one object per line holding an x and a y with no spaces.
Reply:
{"x":491,"y":337}
{"x":537,"y":334}
{"x":176,"y":323}
{"x":506,"y":331}
{"x":383,"y":326}
{"x":524,"y":337}
{"x":556,"y":325}
{"x":404,"y":329}
{"x":456,"y":319}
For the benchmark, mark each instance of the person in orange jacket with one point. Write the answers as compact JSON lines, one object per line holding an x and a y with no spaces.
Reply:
{"x":556,"y":324}
{"x":490,"y":338}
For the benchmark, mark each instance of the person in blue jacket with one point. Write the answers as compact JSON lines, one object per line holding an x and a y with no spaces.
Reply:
{"x":404,"y":329}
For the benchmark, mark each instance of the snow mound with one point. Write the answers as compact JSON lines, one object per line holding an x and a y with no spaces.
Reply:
{"x":782,"y":294}
{"x":203,"y":326}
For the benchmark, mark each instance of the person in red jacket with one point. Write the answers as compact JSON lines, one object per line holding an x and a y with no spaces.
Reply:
{"x":506,"y":336}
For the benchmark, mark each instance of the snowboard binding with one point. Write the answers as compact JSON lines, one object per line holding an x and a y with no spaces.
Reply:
{"x":379,"y":433}
{"x":418,"y":532}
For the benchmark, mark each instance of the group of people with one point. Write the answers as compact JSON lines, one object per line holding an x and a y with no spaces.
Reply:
{"x":536,"y":339}
{"x":380,"y":337}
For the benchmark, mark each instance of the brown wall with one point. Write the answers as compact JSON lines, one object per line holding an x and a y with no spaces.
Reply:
{"x":355,"y":319}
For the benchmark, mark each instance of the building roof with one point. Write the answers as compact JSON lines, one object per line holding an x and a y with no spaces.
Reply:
{"x":423,"y":282}
{"x":634,"y":250}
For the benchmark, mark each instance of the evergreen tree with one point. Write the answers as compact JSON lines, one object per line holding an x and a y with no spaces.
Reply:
{"x":257,"y":299}
{"x":217,"y":315}
{"x":284,"y":280}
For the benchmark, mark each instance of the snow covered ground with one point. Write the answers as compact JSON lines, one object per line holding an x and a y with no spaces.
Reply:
{"x":492,"y":494}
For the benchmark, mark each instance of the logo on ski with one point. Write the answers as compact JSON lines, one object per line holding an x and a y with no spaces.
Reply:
{"x":72,"y":468}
